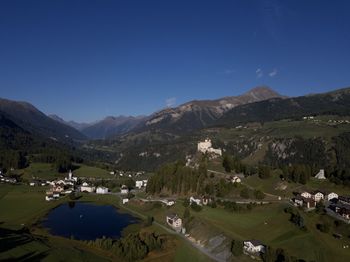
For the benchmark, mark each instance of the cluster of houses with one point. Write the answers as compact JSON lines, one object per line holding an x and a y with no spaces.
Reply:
{"x":308,"y":200}
{"x":126,"y":173}
{"x":68,"y":185}
{"x":340,"y":205}
{"x":8,"y":179}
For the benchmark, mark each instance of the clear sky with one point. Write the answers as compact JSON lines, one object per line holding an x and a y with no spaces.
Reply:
{"x":86,"y":59}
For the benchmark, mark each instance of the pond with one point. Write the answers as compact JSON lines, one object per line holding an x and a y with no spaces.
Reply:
{"x":86,"y":221}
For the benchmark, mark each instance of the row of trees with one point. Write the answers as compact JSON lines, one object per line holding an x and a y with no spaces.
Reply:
{"x":133,"y":247}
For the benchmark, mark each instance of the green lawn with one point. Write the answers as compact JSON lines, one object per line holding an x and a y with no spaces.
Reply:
{"x":40,"y":171}
{"x":89,"y":171}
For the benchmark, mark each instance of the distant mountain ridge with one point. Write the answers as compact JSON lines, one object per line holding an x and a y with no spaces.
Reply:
{"x":29,"y":118}
{"x":198,"y":114}
{"x":111,"y":126}
{"x":76,"y":125}
{"x":333,"y":103}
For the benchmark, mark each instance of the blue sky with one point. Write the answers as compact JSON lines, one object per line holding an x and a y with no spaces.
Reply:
{"x":85,"y":59}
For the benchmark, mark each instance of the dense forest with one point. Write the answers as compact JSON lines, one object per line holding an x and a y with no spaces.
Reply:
{"x":177,"y":179}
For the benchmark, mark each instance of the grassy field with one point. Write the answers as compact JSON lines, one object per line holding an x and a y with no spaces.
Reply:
{"x":273,"y":185}
{"x":269,"y":224}
{"x":89,"y":171}
{"x":48,"y":172}
{"x":40,"y":171}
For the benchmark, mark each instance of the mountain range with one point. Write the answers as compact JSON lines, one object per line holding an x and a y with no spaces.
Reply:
{"x":257,"y":105}
{"x":187,"y":117}
{"x":29,"y":118}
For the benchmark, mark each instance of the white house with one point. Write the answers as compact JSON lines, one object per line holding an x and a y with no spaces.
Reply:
{"x":306,"y":194}
{"x":138,"y":184}
{"x":195,"y":200}
{"x":49,"y":197}
{"x":170,"y":203}
{"x":101,"y":190}
{"x":174,"y":221}
{"x":298,"y":200}
{"x":125,"y":200}
{"x":145,"y":182}
{"x":330,"y":196}
{"x":124,"y":190}
{"x":86,"y":188}
{"x":206,"y":146}
{"x":317,"y":196}
{"x":236,"y":179}
{"x":320,"y":174}
{"x":32,"y":183}
{"x":253,"y":246}
{"x":56,"y":195}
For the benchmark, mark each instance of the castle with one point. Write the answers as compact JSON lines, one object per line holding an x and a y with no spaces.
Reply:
{"x":206,"y":147}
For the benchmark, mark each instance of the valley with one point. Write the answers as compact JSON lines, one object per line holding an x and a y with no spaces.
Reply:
{"x":241,"y":191}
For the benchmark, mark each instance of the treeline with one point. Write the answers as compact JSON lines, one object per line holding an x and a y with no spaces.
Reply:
{"x":231,"y":163}
{"x":298,"y":158}
{"x":12,"y":159}
{"x":133,"y":247}
{"x":302,"y":158}
{"x":340,"y":173}
{"x":178,"y":179}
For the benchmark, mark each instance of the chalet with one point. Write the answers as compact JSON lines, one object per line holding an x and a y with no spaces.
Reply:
{"x":139,"y":184}
{"x":344,"y":199}
{"x":344,"y":212}
{"x":58,"y":189}
{"x":317,"y":195}
{"x":102,"y":190}
{"x":49,"y":197}
{"x":56,"y":195}
{"x":330,"y":196}
{"x":306,"y":194}
{"x":145,"y":181}
{"x":86,"y":188}
{"x":169,"y":202}
{"x":236,"y":179}
{"x":253,"y":246}
{"x":298,"y":200}
{"x":124,"y":190}
{"x":125,"y":200}
{"x":174,"y":221}
{"x":309,"y":203}
{"x":195,"y":200}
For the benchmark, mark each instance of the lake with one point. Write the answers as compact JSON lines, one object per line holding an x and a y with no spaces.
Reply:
{"x":86,"y":221}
